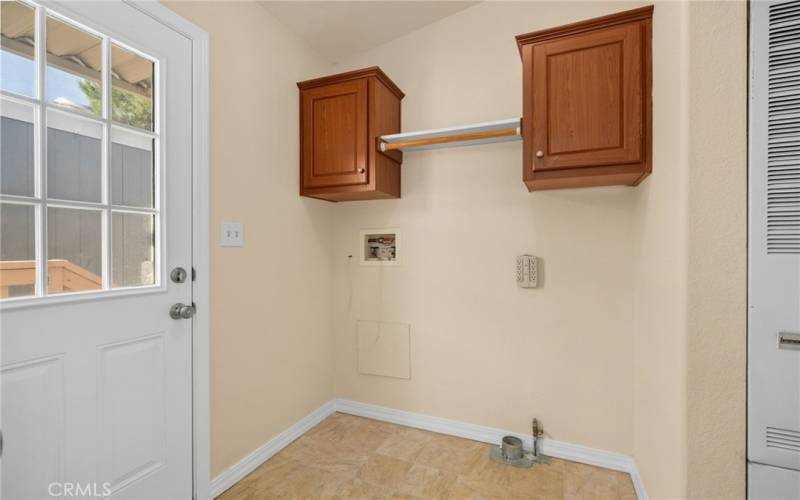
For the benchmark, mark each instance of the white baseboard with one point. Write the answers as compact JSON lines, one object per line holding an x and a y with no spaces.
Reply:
{"x":248,"y":464}
{"x":550,"y":447}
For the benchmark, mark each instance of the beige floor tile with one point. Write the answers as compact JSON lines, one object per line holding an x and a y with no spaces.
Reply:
{"x":470,"y":488}
{"x":272,"y":472}
{"x":426,"y":482}
{"x":388,"y":472}
{"x":303,"y":482}
{"x":587,"y":482}
{"x":540,"y":481}
{"x":381,"y":425}
{"x":338,"y":429}
{"x":346,"y":432}
{"x":368,"y":439}
{"x":324,"y":455}
{"x":347,"y":457}
{"x":451,"y":453}
{"x":462,"y":491}
{"x":625,"y":486}
{"x":357,"y":489}
{"x":481,"y":468}
{"x":239,"y":492}
{"x":405,"y":443}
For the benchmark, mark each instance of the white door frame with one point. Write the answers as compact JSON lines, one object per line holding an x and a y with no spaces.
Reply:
{"x":200,"y":239}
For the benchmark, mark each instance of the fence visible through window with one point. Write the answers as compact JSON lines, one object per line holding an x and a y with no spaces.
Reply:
{"x":79,"y":164}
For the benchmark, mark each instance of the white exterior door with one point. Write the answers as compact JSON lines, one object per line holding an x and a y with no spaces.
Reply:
{"x":774,"y":252}
{"x":96,"y":192}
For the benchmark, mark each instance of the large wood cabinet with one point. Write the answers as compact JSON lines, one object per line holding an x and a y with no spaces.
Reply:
{"x":341,"y":120}
{"x":587,"y":102}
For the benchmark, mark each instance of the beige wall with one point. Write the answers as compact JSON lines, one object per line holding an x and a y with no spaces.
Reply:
{"x":717,"y":257}
{"x":660,"y":239}
{"x":271,"y":350}
{"x":484,"y":350}
{"x":608,"y":352}
{"x":635,"y":341}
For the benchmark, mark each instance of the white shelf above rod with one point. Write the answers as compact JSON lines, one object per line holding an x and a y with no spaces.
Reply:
{"x":464,"y":135}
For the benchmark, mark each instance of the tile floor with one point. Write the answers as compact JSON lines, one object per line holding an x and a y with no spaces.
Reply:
{"x":348,"y":457}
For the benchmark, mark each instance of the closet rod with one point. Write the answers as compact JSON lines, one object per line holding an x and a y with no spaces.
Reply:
{"x":489,"y":134}
{"x":461,"y":135}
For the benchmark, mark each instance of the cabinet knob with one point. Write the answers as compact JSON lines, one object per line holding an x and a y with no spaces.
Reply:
{"x":540,"y":154}
{"x":361,"y":170}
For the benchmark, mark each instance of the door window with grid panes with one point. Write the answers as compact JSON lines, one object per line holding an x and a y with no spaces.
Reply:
{"x":79,"y":163}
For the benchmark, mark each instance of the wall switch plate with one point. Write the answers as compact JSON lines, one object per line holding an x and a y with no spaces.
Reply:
{"x":231,"y":234}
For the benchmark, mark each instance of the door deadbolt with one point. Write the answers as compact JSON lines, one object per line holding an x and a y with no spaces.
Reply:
{"x":178,"y":275}
{"x":181,"y":311}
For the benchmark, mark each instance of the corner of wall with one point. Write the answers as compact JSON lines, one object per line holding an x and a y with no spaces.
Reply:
{"x":659,"y":429}
{"x":284,"y":270}
{"x":717,"y":286}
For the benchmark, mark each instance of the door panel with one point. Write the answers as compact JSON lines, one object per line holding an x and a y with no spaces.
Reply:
{"x":130,"y":380}
{"x":595,"y":109}
{"x":97,"y":385}
{"x":335,"y":134}
{"x":587,"y":102}
{"x":774,"y":236}
{"x":772,"y":483}
{"x":37,"y":425}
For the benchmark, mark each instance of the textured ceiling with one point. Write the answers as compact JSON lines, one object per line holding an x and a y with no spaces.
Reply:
{"x":340,"y":29}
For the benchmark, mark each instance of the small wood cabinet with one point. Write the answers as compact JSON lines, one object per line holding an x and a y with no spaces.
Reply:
{"x":341,"y":120}
{"x":587,"y":108}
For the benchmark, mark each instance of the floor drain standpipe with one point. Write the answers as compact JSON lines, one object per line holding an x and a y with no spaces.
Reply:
{"x":510,"y":452}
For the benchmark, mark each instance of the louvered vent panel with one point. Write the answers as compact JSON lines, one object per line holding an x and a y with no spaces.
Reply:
{"x":784,"y":439}
{"x":783,"y":146}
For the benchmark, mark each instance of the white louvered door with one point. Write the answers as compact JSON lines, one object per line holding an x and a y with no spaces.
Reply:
{"x":774,"y":247}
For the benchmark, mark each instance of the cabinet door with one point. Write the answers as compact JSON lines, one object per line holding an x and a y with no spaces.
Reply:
{"x":334,"y":127}
{"x":587,"y":99}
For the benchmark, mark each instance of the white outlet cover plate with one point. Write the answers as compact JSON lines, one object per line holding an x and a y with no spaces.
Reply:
{"x":231,"y":234}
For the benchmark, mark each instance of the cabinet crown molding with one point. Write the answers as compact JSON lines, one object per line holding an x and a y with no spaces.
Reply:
{"x":358,"y":74}
{"x":640,"y":14}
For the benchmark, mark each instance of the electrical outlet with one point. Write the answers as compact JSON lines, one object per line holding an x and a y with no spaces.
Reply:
{"x":232,"y":234}
{"x":527,"y":271}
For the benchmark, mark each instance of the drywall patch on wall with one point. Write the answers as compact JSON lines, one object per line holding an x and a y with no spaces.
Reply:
{"x":384,"y":349}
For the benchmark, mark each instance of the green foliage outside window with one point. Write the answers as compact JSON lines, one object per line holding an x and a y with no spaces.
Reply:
{"x":126,"y":107}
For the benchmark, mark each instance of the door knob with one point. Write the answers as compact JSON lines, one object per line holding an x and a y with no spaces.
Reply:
{"x":540,"y":154}
{"x":361,"y":170}
{"x":181,"y":311}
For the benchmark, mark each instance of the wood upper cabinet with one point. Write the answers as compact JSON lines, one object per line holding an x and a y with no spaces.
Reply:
{"x":587,"y":102}
{"x":341,"y":120}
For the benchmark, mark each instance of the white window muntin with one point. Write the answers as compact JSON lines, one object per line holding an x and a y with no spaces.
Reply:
{"x":72,"y":119}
